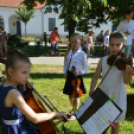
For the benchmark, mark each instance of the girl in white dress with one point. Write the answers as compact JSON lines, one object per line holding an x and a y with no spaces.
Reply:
{"x":114,"y":83}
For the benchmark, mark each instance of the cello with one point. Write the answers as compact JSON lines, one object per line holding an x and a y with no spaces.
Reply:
{"x":37,"y":103}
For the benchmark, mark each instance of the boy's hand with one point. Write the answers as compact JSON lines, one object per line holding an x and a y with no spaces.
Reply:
{"x":129,"y":70}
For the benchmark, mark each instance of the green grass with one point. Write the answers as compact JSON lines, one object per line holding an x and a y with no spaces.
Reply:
{"x":44,"y":50}
{"x":48,"y":80}
{"x":33,"y":51}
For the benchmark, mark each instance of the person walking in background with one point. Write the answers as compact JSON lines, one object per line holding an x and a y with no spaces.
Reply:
{"x":127,"y":27}
{"x":106,"y":43}
{"x":83,"y":42}
{"x":3,"y":41}
{"x":54,"y":40}
{"x":45,"y":38}
{"x":89,"y":44}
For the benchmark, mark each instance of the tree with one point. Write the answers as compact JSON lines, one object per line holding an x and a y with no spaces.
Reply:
{"x":117,"y":10}
{"x":24,"y":15}
{"x":84,"y":14}
{"x":79,"y":14}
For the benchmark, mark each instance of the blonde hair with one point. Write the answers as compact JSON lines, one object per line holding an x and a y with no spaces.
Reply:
{"x":91,"y":32}
{"x":108,"y":30}
{"x":117,"y":35}
{"x":69,"y":46}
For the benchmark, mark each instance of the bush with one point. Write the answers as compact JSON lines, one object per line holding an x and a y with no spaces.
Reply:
{"x":15,"y":41}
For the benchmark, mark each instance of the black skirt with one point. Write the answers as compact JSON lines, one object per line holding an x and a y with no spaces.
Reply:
{"x":68,"y":88}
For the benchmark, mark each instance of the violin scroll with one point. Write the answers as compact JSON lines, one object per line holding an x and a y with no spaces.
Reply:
{"x":119,"y":61}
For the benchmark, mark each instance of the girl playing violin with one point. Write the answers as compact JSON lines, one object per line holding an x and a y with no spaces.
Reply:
{"x":13,"y":108}
{"x":114,"y":82}
{"x":74,"y":57}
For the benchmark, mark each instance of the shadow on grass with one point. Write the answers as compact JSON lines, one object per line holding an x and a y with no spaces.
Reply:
{"x":130,"y":107}
{"x":35,"y":50}
{"x":54,"y":75}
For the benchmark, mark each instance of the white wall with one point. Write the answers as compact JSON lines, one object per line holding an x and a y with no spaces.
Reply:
{"x":58,"y":23}
{"x":34,"y":26}
{"x":12,"y":24}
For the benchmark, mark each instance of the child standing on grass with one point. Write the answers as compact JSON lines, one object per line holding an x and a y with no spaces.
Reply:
{"x":74,"y":57}
{"x":114,"y":83}
{"x":13,"y":108}
{"x":89,"y":44}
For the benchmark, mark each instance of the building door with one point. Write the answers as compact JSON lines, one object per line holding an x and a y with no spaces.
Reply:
{"x":18,"y":28}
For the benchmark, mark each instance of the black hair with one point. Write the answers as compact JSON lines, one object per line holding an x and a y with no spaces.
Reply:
{"x":129,"y":11}
{"x":55,"y":28}
{"x":1,"y":28}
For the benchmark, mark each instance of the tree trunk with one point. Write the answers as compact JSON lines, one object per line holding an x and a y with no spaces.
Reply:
{"x":72,"y":25}
{"x":25,"y":31}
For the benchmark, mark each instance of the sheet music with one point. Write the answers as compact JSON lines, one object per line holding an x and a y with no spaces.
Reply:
{"x":84,"y":107}
{"x":98,"y":122}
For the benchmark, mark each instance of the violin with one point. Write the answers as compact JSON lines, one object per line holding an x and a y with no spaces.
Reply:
{"x":38,"y":104}
{"x":77,"y":91}
{"x":120,"y":61}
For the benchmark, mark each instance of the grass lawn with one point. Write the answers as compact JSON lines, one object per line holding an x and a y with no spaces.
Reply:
{"x":49,"y":81}
{"x":43,"y":51}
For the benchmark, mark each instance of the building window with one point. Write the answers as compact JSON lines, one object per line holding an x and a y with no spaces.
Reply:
{"x":2,"y":23}
{"x":65,"y":29}
{"x":52,"y":23}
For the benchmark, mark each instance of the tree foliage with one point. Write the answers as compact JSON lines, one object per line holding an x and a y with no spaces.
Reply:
{"x":84,"y":14}
{"x":24,"y":15}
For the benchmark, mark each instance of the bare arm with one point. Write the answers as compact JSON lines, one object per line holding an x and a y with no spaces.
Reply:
{"x":15,"y":98}
{"x":96,"y":77}
{"x":127,"y":74}
{"x":89,"y":41}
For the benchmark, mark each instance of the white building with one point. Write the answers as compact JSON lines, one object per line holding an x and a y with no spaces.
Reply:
{"x":38,"y":25}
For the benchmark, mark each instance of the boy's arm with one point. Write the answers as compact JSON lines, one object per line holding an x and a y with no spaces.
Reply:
{"x":96,"y":77}
{"x":127,"y":74}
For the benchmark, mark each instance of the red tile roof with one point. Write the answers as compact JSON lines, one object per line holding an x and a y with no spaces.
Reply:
{"x":14,"y":3}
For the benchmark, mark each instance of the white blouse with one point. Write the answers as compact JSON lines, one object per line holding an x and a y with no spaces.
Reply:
{"x":125,"y":26}
{"x":79,"y":60}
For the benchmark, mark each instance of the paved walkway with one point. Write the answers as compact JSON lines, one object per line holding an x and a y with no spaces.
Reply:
{"x":57,"y":60}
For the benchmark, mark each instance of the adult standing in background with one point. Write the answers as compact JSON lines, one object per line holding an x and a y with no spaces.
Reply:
{"x":83,"y":42}
{"x":3,"y":41}
{"x":89,"y":44}
{"x":127,"y":27}
{"x":54,"y":40}
{"x":106,"y":43}
{"x":45,"y":38}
